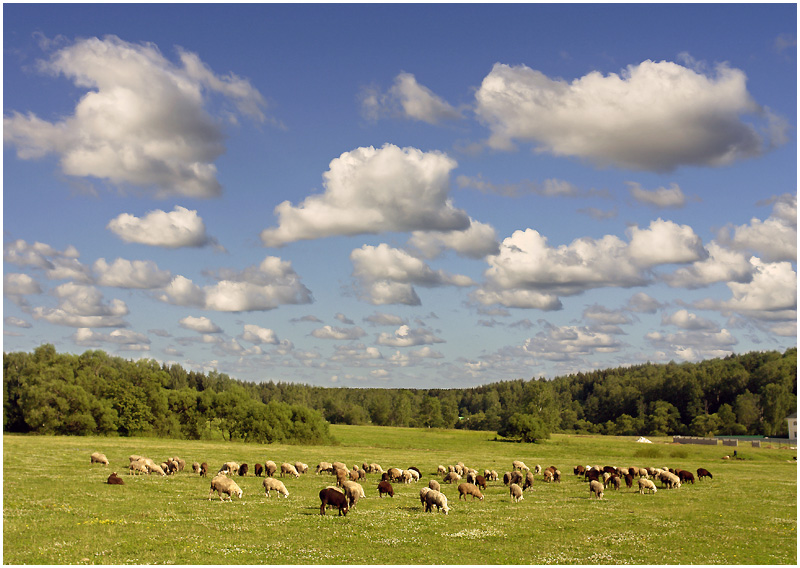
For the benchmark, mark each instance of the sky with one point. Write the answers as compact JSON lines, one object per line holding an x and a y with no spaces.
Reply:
{"x":404,"y":196}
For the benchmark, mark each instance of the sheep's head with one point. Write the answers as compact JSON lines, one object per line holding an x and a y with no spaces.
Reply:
{"x":238,"y":493}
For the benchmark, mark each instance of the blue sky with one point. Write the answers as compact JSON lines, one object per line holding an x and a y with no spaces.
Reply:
{"x":426,"y":196}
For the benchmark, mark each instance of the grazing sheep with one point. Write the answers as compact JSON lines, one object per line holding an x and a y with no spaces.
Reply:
{"x":516,"y":493}
{"x":493,"y":476}
{"x":685,"y":476}
{"x":154,"y":468}
{"x":703,"y":472}
{"x":507,"y":478}
{"x":438,"y":499}
{"x":288,"y":469}
{"x":270,"y":468}
{"x":97,"y":457}
{"x":406,"y":476}
{"x":433,"y":484}
{"x":258,"y":469}
{"x":451,"y":477}
{"x":645,"y":483}
{"x":338,"y":465}
{"x":376,"y":468}
{"x":596,"y":488}
{"x":528,"y":481}
{"x":548,"y":475}
{"x":670,"y":480}
{"x":579,"y":470}
{"x":557,"y":476}
{"x":516,"y":464}
{"x":471,"y":477}
{"x":324,"y":466}
{"x":272,"y":484}
{"x":134,"y":457}
{"x":229,"y":468}
{"x":224,"y":485}
{"x":334,"y":498}
{"x":537,"y":469}
{"x":203,"y":469}
{"x":629,"y":480}
{"x":353,"y":475}
{"x":395,"y":474}
{"x":301,"y":467}
{"x":465,"y":489}
{"x":136,"y":467}
{"x":422,"y":493}
{"x":353,"y":491}
{"x":614,"y":482}
{"x":385,"y":487}
{"x":196,"y":467}
{"x":243,"y":469}
{"x":362,"y":475}
{"x":414,"y":473}
{"x":113,"y":479}
{"x":441,"y":470}
{"x":341,"y":476}
{"x":480,"y":481}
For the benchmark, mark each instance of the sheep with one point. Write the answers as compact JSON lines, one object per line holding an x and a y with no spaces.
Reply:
{"x":451,"y":477}
{"x":323,"y":466}
{"x":406,"y":476}
{"x":516,"y":464}
{"x":646,"y":484}
{"x":613,"y":481}
{"x":416,"y":469}
{"x":465,"y":489}
{"x":353,"y":474}
{"x":301,"y":467}
{"x":288,"y":469}
{"x":272,"y":484}
{"x":537,"y":469}
{"x":670,"y":480}
{"x":493,"y":476}
{"x":168,"y":467}
{"x":204,"y":469}
{"x":258,"y":469}
{"x":433,"y":484}
{"x":703,"y":472}
{"x":97,"y":457}
{"x":422,"y":493}
{"x":353,"y":491}
{"x":596,"y":488}
{"x":414,"y":473}
{"x":471,"y":477}
{"x":137,"y":467}
{"x":629,"y":480}
{"x":579,"y":470}
{"x":685,"y":476}
{"x":229,"y":468}
{"x":385,"y":487}
{"x":113,"y":479}
{"x":341,"y":476}
{"x":196,"y":467}
{"x":395,"y":474}
{"x":134,"y":457}
{"x":441,"y":470}
{"x":154,"y":468}
{"x":362,"y":475}
{"x":338,"y":465}
{"x":223,"y":484}
{"x":480,"y":481}
{"x":376,"y":468}
{"x":243,"y":469}
{"x":516,"y":493}
{"x":438,"y":499}
{"x":528,"y":481}
{"x":548,"y":475}
{"x":332,"y":497}
{"x":270,"y":468}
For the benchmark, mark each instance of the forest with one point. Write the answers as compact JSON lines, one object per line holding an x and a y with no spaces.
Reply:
{"x":46,"y":392}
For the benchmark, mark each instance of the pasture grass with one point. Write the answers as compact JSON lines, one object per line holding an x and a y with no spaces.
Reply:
{"x":57,"y":508}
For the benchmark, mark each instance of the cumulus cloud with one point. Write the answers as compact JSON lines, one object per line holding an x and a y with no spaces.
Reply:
{"x":693,"y":345}
{"x":124,"y":338}
{"x":644,"y":304}
{"x":199,"y":324}
{"x":264,"y":287}
{"x":82,"y":306}
{"x":329,"y":332}
{"x":404,"y":336}
{"x":721,"y":265}
{"x":141,"y":274}
{"x":653,"y":116}
{"x":144,"y":121}
{"x":548,"y":188}
{"x":567,"y":342}
{"x":179,"y":228}
{"x":689,"y":321}
{"x":344,"y":319}
{"x":662,"y":197}
{"x":57,"y":265}
{"x":774,"y":239}
{"x":16,"y":322}
{"x":665,"y":242}
{"x":16,"y":284}
{"x":371,"y":190}
{"x":407,"y":99}
{"x":381,"y":318}
{"x":259,"y":335}
{"x":770,"y":295}
{"x":479,"y":240}
{"x":354,"y":354}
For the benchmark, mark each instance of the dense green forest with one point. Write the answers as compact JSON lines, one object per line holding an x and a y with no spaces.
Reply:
{"x":94,"y":393}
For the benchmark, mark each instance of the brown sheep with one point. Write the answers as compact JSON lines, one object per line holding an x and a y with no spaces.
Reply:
{"x":465,"y":489}
{"x":703,"y":472}
{"x":480,"y":481}
{"x":113,"y":479}
{"x":243,"y":469}
{"x":329,"y":496}
{"x":385,"y":487}
{"x":203,"y":469}
{"x":258,"y":470}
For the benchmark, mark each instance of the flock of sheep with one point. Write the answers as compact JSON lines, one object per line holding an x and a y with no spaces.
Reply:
{"x":344,"y":495}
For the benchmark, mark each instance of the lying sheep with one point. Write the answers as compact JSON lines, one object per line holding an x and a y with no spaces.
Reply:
{"x":113,"y":479}
{"x":646,"y":484}
{"x":331,"y":497}
{"x":224,"y":485}
{"x":433,"y":484}
{"x":288,"y":469}
{"x":272,"y":484}
{"x":596,"y":489}
{"x":438,"y":499}
{"x":465,"y":489}
{"x":97,"y":457}
{"x":516,"y":493}
{"x":385,"y":487}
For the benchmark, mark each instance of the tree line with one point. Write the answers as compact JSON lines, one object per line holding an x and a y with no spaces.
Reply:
{"x":95,"y":393}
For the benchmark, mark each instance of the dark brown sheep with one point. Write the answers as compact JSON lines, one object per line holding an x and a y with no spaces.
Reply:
{"x":334,"y":498}
{"x":203,"y":469}
{"x":685,"y":476}
{"x":703,"y":472}
{"x":629,"y":480}
{"x":243,"y":469}
{"x":480,"y":481}
{"x":259,"y":470}
{"x":385,"y":487}
{"x":113,"y":479}
{"x":579,"y":470}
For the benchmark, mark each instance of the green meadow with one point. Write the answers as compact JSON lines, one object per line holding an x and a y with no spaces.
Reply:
{"x":57,"y":508}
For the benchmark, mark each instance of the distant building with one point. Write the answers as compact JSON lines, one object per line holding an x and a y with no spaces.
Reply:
{"x":792,"y":419}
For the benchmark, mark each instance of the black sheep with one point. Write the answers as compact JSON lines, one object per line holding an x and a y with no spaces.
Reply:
{"x":332,"y":497}
{"x":703,"y":472}
{"x":385,"y":487}
{"x":243,"y":469}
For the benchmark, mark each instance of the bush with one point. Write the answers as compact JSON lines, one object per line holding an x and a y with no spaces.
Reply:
{"x":647,"y":452}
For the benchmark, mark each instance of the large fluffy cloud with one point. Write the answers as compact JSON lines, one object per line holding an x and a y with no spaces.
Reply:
{"x":144,"y":121}
{"x":479,"y":240}
{"x":82,"y":306}
{"x":369,"y":190}
{"x":774,"y":239}
{"x":651,"y":116}
{"x":264,"y":287}
{"x":122,"y":273}
{"x":180,"y":227}
{"x":408,"y":99}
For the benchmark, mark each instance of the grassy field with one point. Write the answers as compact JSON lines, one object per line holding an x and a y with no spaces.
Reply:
{"x":57,"y":508}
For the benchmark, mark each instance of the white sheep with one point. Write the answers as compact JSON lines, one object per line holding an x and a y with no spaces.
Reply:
{"x":301,"y":467}
{"x":136,"y":467}
{"x":517,"y":464}
{"x":516,"y":493}
{"x":222,"y":484}
{"x":196,"y":467}
{"x":414,"y":474}
{"x":451,"y":477}
{"x":97,"y":457}
{"x":537,"y":469}
{"x":422,"y":492}
{"x":433,"y":484}
{"x":406,"y":476}
{"x":438,"y":499}
{"x":324,"y":466}
{"x":596,"y":489}
{"x":272,"y":484}
{"x":288,"y":469}
{"x":646,"y":484}
{"x":441,"y":470}
{"x":670,"y":480}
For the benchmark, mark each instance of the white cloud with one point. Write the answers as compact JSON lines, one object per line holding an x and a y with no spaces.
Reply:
{"x":665,"y":242}
{"x":57,"y":265}
{"x":644,"y":304}
{"x":328,"y":332}
{"x":264,"y":287}
{"x":199,"y":324}
{"x":722,"y":265}
{"x":685,"y":319}
{"x":82,"y":306}
{"x":425,"y":353}
{"x":551,"y":187}
{"x":381,"y":318}
{"x":404,"y":336}
{"x":478,"y":241}
{"x":373,"y":191}
{"x":259,"y":335}
{"x":568,"y":342}
{"x":774,"y":239}
{"x":354,"y":354}
{"x":662,"y":197}
{"x":652,"y":116}
{"x":16,"y":284}
{"x":143,"y":121}
{"x":407,"y":99}
{"x":125,"y":338}
{"x":16,"y":322}
{"x":772,"y":293}
{"x":179,"y":228}
{"x":695,"y":344}
{"x":141,"y":274}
